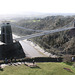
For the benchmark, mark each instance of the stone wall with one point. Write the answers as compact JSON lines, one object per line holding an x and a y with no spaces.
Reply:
{"x":11,"y":51}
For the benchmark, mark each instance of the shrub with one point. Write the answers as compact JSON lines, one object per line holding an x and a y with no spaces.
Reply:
{"x":67,"y":58}
{"x":74,"y":65}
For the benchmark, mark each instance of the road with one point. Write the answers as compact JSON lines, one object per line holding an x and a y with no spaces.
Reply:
{"x":29,"y":50}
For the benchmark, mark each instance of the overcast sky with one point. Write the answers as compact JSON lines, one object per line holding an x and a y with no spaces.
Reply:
{"x":43,"y":6}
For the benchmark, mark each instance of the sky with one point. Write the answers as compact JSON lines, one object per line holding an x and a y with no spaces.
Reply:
{"x":42,"y":6}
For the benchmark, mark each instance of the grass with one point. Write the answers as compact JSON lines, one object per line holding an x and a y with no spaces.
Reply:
{"x":50,"y":68}
{"x":36,"y":20}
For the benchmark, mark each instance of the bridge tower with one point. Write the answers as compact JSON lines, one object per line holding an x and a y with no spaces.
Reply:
{"x":6,"y":33}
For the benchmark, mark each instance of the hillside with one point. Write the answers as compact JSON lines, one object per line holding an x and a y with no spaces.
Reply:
{"x":57,"y":43}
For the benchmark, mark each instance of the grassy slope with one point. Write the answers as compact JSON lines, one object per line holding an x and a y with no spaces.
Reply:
{"x":45,"y":69}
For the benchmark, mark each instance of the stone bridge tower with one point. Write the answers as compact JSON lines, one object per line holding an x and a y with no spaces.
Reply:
{"x":6,"y":33}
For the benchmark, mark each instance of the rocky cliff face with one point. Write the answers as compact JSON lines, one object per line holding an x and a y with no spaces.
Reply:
{"x":60,"y":43}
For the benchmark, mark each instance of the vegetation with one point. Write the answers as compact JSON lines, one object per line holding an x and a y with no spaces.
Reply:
{"x":74,"y":65}
{"x":67,"y":59}
{"x":43,"y":69}
{"x":47,"y":23}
